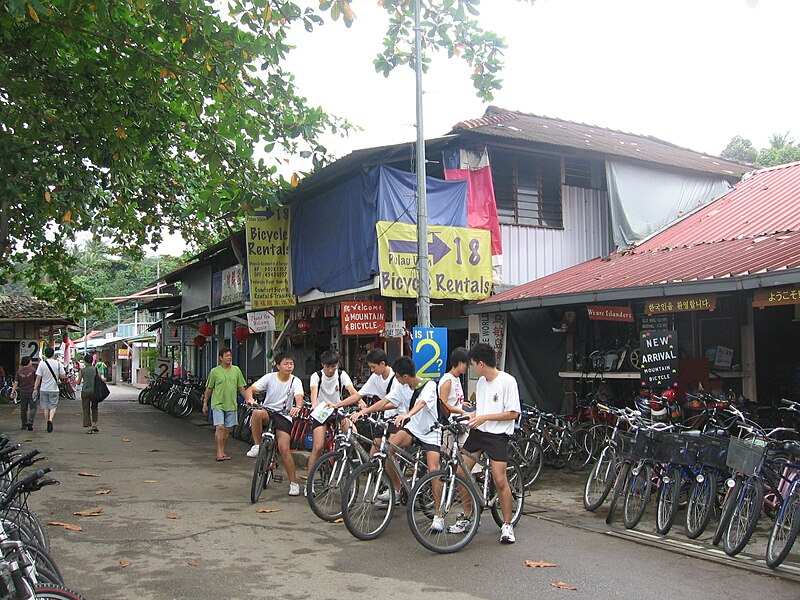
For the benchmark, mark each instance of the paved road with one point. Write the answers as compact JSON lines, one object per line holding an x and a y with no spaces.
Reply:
{"x":221,"y":548}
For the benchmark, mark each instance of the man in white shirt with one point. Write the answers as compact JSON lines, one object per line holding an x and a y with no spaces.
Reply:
{"x":284,"y":396}
{"x":49,"y":372}
{"x":496,"y":408}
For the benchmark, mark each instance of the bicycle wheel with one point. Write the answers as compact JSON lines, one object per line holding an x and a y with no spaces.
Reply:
{"x":259,"y":482}
{"x":46,"y":569}
{"x":48,"y":591}
{"x":365,"y":516}
{"x":728,"y":506}
{"x":599,"y":434}
{"x":326,"y":478}
{"x":456,"y":498}
{"x":669,"y":497}
{"x":745,"y":516}
{"x":515,"y":482}
{"x":700,"y":504}
{"x":600,"y":479}
{"x":143,"y":395}
{"x":784,"y":530}
{"x":620,"y":483}
{"x":579,"y":449}
{"x":29,"y":519}
{"x":637,"y":494}
{"x":528,"y":453}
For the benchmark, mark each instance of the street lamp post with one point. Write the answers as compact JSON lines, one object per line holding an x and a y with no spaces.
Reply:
{"x":423,"y":294}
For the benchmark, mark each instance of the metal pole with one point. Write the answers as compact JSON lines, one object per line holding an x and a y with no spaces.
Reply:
{"x":423,"y":294}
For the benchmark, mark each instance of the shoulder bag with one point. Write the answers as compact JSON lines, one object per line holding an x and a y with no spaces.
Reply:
{"x":101,"y":390}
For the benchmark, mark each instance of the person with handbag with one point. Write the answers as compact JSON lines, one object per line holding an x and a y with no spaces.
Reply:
{"x":48,"y":374}
{"x":89,"y":400}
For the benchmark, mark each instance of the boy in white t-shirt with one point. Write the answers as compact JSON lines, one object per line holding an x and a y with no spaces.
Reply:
{"x":284,"y":395}
{"x":496,"y":408}
{"x":327,"y":387}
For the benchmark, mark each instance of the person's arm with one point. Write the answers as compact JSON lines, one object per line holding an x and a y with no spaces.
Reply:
{"x":80,"y":377}
{"x":400,"y":419}
{"x":314,"y":389}
{"x":206,"y":397}
{"x":299,"y":398}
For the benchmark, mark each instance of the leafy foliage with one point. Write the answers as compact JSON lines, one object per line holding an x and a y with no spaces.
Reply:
{"x":741,"y":149}
{"x":781,"y":150}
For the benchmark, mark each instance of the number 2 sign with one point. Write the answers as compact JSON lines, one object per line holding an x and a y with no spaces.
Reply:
{"x":430,"y":351}
{"x":163,"y":367}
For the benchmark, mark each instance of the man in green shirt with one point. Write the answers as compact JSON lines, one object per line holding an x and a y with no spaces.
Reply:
{"x":223,"y":382}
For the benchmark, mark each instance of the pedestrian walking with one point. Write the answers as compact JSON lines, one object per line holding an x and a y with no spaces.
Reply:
{"x":22,"y":387}
{"x":89,"y":404}
{"x":223,"y":382}
{"x":48,"y":374}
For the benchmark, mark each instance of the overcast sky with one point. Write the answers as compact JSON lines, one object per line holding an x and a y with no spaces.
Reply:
{"x":691,"y":72}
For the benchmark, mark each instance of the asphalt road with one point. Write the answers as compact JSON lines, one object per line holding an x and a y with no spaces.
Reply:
{"x":220,"y":547}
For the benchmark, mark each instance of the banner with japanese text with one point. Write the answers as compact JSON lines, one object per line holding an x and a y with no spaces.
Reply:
{"x":268,"y":260}
{"x":460,"y":261}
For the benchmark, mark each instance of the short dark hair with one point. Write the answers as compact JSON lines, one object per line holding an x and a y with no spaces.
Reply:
{"x":283,"y":355}
{"x":329,"y":357}
{"x":222,"y":351}
{"x":483,"y":353}
{"x":88,"y":357}
{"x":26,"y":360}
{"x":377,"y":356}
{"x":404,"y":366}
{"x":458,"y":355}
{"x":48,"y":352}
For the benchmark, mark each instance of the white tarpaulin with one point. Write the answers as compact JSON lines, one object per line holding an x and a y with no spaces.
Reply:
{"x":644,"y":200}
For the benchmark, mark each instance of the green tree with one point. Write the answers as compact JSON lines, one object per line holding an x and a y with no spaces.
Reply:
{"x":769,"y":157}
{"x":740,"y":149}
{"x":126,"y":117}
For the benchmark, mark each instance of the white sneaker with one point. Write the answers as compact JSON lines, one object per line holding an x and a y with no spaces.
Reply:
{"x":253,"y":452}
{"x":438,"y":524}
{"x":507,"y":534}
{"x":294,"y":489}
{"x":463,"y":522}
{"x":313,"y":490}
{"x":383,"y":496}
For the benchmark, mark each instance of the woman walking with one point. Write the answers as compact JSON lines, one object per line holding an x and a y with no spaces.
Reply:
{"x":88,"y":400}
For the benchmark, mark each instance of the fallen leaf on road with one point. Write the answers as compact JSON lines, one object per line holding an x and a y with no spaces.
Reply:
{"x":191,"y":563}
{"x":538,"y":563}
{"x":102,"y":492}
{"x":150,"y":481}
{"x":268,"y":510}
{"x":88,"y":474}
{"x":93,"y":512}
{"x":304,"y":477}
{"x":105,"y":461}
{"x":155,"y":450}
{"x":124,"y":563}
{"x":126,"y":439}
{"x":173,"y":516}
{"x":339,"y":520}
{"x":67,"y":526}
{"x":563,"y":586}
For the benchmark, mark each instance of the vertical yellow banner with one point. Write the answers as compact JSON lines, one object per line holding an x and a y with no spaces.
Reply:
{"x":268,"y":260}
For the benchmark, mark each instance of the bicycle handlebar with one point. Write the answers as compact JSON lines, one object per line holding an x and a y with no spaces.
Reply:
{"x":21,"y":486}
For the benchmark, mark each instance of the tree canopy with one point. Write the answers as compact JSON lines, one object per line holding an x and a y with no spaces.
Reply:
{"x":781,"y":150}
{"x":125,"y":117}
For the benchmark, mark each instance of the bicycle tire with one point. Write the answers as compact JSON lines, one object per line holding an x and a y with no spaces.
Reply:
{"x":744,"y":518}
{"x":142,"y":395}
{"x":259,"y":481}
{"x":620,"y":482}
{"x":600,"y":479}
{"x":32,"y":521}
{"x":580,"y":452}
{"x":637,"y":495}
{"x":784,"y":530}
{"x":326,"y":478}
{"x":50,"y":591}
{"x":528,"y":454}
{"x":515,"y":482}
{"x":454,"y":491}
{"x":701,"y":504}
{"x":669,"y":497}
{"x":46,"y":569}
{"x":599,"y":433}
{"x":728,"y":506}
{"x":364,"y":516}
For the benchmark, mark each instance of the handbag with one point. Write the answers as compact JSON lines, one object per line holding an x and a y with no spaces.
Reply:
{"x":101,"y":390}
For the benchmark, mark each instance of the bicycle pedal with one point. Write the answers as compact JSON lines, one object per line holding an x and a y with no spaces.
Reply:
{"x":277,"y":478}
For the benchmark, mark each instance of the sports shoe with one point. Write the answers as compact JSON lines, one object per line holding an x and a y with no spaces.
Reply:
{"x":438,"y":524}
{"x":294,"y":488}
{"x":461,"y":525}
{"x":30,"y":427}
{"x":253,"y":452}
{"x":507,"y":534}
{"x":313,"y":490}
{"x":49,"y":427}
{"x":95,"y":429}
{"x":383,"y":496}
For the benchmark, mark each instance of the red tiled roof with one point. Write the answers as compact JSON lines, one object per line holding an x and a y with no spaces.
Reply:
{"x":752,"y":230}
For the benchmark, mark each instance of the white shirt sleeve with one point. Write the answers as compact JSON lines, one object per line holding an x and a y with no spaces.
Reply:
{"x":262,"y":383}
{"x":314,"y":381}
{"x":297,"y":387}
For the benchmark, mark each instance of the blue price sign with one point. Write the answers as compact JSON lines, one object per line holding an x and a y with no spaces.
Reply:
{"x":430,"y":351}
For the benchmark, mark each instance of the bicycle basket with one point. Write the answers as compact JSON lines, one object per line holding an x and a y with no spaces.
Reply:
{"x":625,"y":443}
{"x":674,"y":448}
{"x":644,"y":444}
{"x":745,"y":456}
{"x":713,"y":451}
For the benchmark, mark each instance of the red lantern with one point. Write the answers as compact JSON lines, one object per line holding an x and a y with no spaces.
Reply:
{"x":241,"y":333}
{"x":200,"y":341}
{"x":304,"y":326}
{"x":207,"y":329}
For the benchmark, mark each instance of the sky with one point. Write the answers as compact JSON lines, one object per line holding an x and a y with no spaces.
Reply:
{"x":691,"y":72}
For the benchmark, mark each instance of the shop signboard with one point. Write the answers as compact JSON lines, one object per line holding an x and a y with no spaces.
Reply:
{"x":777,"y":296}
{"x":261,"y":321}
{"x":29,"y":348}
{"x":656,"y":322}
{"x":460,"y":261}
{"x":172,"y":333}
{"x":429,"y":347}
{"x":659,"y":362}
{"x":268,"y":260}
{"x":363,"y":318}
{"x":658,"y":306}
{"x":623,"y":314}
{"x":394,"y":329}
{"x":163,"y":367}
{"x":233,"y":284}
{"x":492,"y":331}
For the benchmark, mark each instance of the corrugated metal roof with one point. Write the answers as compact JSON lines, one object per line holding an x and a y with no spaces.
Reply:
{"x":525,"y":127}
{"x":754,"y":229}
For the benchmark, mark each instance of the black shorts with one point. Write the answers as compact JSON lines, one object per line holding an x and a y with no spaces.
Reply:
{"x":282,"y":424}
{"x":424,"y":445}
{"x":331,"y":419}
{"x":495,"y":445}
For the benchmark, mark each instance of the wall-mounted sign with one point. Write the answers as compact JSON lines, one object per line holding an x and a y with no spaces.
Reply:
{"x":363,"y":318}
{"x":29,"y":348}
{"x":261,"y":321}
{"x":679,"y":305}
{"x":777,"y":296}
{"x":394,"y":329}
{"x":233,"y":285}
{"x":610,"y":313}
{"x":429,"y":347}
{"x":123,"y":353}
{"x":268,"y":260}
{"x":656,"y":322}
{"x":659,"y":362}
{"x":492,"y":331}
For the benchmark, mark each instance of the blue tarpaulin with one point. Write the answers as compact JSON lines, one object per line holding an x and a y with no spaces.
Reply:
{"x":333,"y":241}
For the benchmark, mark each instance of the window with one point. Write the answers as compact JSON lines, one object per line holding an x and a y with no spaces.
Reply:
{"x":527,"y":188}
{"x":584,"y":173}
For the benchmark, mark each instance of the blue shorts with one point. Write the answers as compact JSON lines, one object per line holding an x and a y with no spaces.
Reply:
{"x":224,"y":417}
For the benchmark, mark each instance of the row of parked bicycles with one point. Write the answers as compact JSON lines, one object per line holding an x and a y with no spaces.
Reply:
{"x":726,"y":465}
{"x":27,"y":571}
{"x":177,"y":396}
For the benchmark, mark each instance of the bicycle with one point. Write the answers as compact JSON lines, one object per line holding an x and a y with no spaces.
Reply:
{"x":450,"y":496}
{"x":562,"y":445}
{"x":267,"y":459}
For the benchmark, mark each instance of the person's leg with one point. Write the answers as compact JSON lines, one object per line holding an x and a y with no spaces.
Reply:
{"x":432,"y":458}
{"x":221,"y":438}
{"x":23,"y":411}
{"x":319,"y":443}
{"x":86,"y":404}
{"x":284,"y":448}
{"x":258,"y":421}
{"x":402,"y":439}
{"x":500,"y":479}
{"x":33,"y":406}
{"x":95,"y":412}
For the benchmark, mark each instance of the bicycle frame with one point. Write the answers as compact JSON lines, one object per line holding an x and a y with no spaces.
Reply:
{"x":388,"y":453}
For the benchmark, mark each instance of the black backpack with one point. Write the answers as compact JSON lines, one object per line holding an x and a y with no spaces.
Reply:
{"x":442,"y":413}
{"x":338,"y":385}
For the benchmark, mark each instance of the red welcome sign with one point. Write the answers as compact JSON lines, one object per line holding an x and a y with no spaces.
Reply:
{"x":362,"y":318}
